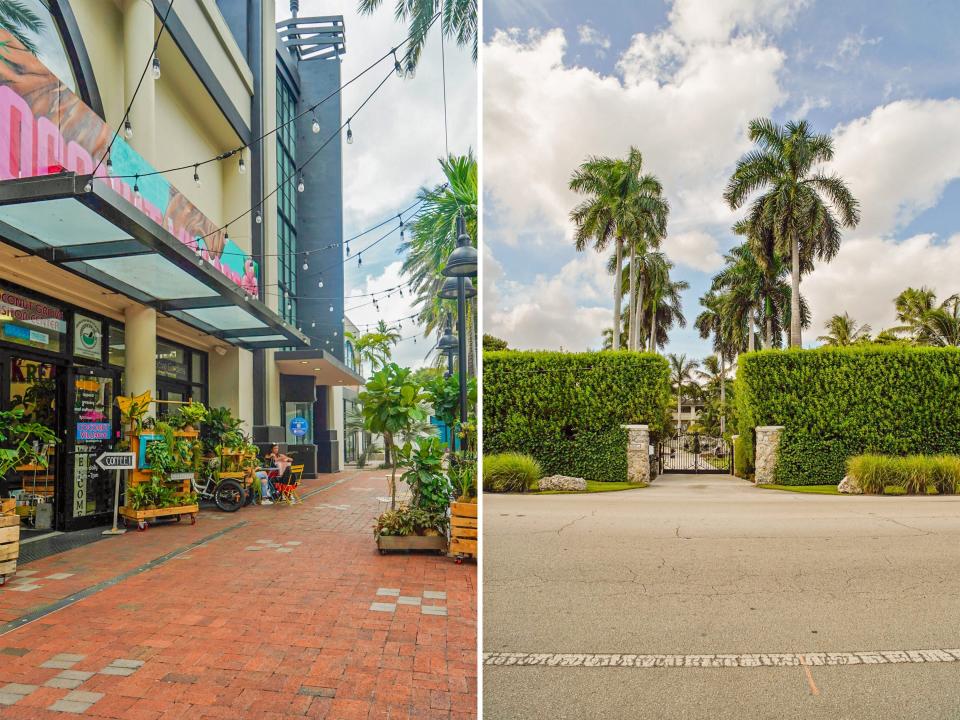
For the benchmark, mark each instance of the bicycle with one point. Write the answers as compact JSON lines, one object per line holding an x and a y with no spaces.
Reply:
{"x":228,"y":494}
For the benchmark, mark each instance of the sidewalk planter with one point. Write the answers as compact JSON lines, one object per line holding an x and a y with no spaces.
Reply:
{"x":143,"y":474}
{"x":463,"y":530}
{"x":387,"y":543}
{"x":9,"y":545}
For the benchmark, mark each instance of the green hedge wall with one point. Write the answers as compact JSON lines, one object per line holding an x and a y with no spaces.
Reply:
{"x":566,"y":409}
{"x":838,"y":402}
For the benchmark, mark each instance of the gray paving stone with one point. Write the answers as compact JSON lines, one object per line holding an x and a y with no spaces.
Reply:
{"x":63,"y":683}
{"x":433,"y":610}
{"x":285,"y":549}
{"x":127,"y":663}
{"x":24,"y":573}
{"x":112,"y":670}
{"x":26,"y":587}
{"x":434,"y":595}
{"x":83,"y":696}
{"x":254,"y":547}
{"x":317,"y":691}
{"x":18,"y":688}
{"x":59,"y":576}
{"x":394,"y":592}
{"x":70,"y":706}
{"x":60,"y":664}
{"x":18,"y":652}
{"x":408,"y":600}
{"x":383,"y":607}
{"x":68,"y":656}
{"x":7,"y":698}
{"x":75,"y":674}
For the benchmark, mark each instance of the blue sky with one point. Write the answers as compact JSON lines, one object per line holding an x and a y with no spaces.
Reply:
{"x":567,"y":79}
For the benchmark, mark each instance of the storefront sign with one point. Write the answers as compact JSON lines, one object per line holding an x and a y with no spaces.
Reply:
{"x":87,"y":337}
{"x":117,"y":461}
{"x":30,"y":322}
{"x":93,"y":431}
{"x":45,"y":128}
{"x":299,"y":426}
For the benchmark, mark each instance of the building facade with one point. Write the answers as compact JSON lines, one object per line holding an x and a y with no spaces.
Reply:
{"x":163,"y":265}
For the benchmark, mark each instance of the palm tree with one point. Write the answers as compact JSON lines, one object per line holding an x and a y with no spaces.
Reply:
{"x":433,"y":236}
{"x":375,"y":347}
{"x":843,"y":330}
{"x":799,"y":203}
{"x":664,"y":308}
{"x":621,"y":205}
{"x":715,"y":322}
{"x":681,"y":375}
{"x":714,"y":374}
{"x":20,"y":21}
{"x":458,"y":20}
{"x":912,"y":305}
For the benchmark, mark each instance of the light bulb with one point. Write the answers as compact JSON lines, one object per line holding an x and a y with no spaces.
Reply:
{"x":397,"y":66}
{"x":127,"y":129}
{"x":359,"y":260}
{"x":335,"y":333}
{"x":305,"y":265}
{"x":88,"y":187}
{"x":401,"y":232}
{"x":331,"y":308}
{"x":300,"y":185}
{"x":348,"y":249}
{"x":258,"y":217}
{"x":196,"y":176}
{"x":313,"y":324}
{"x":242,"y":167}
{"x":315,"y":126}
{"x":109,"y":165}
{"x":320,"y":284}
{"x":156,"y":68}
{"x":349,"y":134}
{"x":136,"y":186}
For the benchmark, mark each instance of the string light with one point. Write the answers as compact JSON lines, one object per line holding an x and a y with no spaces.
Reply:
{"x":127,"y":129}
{"x":315,"y":126}
{"x":400,"y":218}
{"x":136,"y":186}
{"x":242,"y":167}
{"x":196,"y":175}
{"x":258,"y":217}
{"x":396,"y":64}
{"x":301,"y":186}
{"x":349,"y":134}
{"x":109,"y":164}
{"x":156,"y":68}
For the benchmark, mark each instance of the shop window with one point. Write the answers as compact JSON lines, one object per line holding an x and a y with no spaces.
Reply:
{"x":172,"y":362}
{"x":298,"y":418}
{"x":32,"y":323}
{"x":118,"y":346}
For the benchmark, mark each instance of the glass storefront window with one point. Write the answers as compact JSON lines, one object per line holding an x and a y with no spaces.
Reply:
{"x":172,"y":361}
{"x":118,"y":346}
{"x":29,"y":322}
{"x":298,"y":418}
{"x":198,"y":370}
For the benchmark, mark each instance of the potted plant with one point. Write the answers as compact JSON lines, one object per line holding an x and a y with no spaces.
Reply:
{"x":411,"y":528}
{"x":191,"y":416}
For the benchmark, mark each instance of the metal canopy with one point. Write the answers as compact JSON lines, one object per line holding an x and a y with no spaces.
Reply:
{"x":102,"y":237}
{"x":324,"y":367}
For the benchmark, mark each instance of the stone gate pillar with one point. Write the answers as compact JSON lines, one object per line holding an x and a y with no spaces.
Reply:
{"x":768,"y":442}
{"x":638,"y":453}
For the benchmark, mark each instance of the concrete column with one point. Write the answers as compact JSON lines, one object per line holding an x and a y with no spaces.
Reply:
{"x":230,"y":386}
{"x":768,"y":442}
{"x":638,"y":453}
{"x":138,"y":35}
{"x":141,"y":350}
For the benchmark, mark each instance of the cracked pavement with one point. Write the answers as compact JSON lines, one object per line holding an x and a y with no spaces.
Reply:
{"x":710,"y":564}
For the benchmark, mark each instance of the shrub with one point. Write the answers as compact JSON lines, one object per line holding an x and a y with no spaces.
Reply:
{"x":835,"y":403}
{"x":566,"y":409}
{"x":918,"y":474}
{"x":509,"y":472}
{"x":742,"y":461}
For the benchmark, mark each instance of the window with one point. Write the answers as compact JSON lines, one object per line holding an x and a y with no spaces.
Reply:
{"x":286,"y":201}
{"x":34,"y":323}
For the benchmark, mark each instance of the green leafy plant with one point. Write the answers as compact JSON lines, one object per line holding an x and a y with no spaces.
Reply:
{"x":835,"y":403}
{"x":463,"y":477}
{"x":915,"y":474}
{"x":220,"y":428}
{"x":192,"y":414}
{"x":429,"y":486}
{"x":22,"y":443}
{"x":510,"y":472}
{"x":566,"y":409}
{"x":392,"y":403}
{"x":405,"y":521}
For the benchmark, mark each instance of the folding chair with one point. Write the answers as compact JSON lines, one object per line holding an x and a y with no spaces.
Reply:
{"x":288,"y":484}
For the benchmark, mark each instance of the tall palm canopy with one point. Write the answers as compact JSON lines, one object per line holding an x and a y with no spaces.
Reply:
{"x":681,"y":374}
{"x":925,"y":322}
{"x":622,"y":206}
{"x":375,"y":347}
{"x":843,"y":330}
{"x":801,"y":207}
{"x":458,"y":19}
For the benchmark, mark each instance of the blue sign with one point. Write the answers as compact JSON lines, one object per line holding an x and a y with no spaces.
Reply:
{"x":93,"y":431}
{"x":299,"y":426}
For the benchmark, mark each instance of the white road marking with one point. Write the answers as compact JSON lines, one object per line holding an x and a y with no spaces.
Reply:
{"x":733,"y":660}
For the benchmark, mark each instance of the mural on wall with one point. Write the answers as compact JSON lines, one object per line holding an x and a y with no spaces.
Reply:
{"x":45,"y":129}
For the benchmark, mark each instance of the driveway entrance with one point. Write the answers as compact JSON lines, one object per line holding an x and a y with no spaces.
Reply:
{"x":694,"y":453}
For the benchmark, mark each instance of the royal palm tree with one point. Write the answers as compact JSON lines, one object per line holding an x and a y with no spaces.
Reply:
{"x":458,"y":19}
{"x":622,"y":206}
{"x":664,"y":308}
{"x":375,"y":347}
{"x":714,"y":374}
{"x":714,"y":322}
{"x":843,"y":330}
{"x":912,"y":305}
{"x":681,"y":375}
{"x":803,"y":207}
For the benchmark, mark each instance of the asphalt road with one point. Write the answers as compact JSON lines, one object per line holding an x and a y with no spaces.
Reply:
{"x":707,"y":565}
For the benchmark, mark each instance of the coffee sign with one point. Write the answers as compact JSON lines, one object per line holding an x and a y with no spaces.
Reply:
{"x":87,"y":337}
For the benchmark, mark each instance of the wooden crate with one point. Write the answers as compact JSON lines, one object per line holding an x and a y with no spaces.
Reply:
{"x":463,"y":529}
{"x":8,"y":506}
{"x":412,"y":542}
{"x":9,"y":544}
{"x":140,"y":515}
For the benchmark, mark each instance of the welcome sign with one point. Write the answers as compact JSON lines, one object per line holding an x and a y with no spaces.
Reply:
{"x":45,"y":129}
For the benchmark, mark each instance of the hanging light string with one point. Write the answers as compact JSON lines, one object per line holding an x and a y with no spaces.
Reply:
{"x":389,"y":323}
{"x":385,"y":293}
{"x":311,"y":110}
{"x":125,"y":123}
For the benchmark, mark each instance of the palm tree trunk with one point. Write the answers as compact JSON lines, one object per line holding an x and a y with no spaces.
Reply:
{"x":638,"y":313}
{"x":795,"y":340}
{"x":768,"y":339}
{"x":632,"y":337}
{"x":653,"y":328}
{"x":679,"y":393}
{"x":723,"y":394}
{"x":751,"y":335}
{"x":617,"y":293}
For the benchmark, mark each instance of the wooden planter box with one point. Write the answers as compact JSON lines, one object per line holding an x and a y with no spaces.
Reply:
{"x":387,"y":543}
{"x":140,"y":517}
{"x":463,"y":529}
{"x":9,"y":545}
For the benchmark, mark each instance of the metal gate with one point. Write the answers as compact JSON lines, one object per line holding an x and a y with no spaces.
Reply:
{"x":694,"y":453}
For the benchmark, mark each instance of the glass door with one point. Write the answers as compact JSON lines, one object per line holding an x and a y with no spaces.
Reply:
{"x":93,"y":429}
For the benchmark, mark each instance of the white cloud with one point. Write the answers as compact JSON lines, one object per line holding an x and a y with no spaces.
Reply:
{"x":716,"y":20}
{"x":849,"y":49}
{"x":589,"y":35}
{"x":898,"y":160}
{"x":694,"y":248}
{"x":868,"y":273}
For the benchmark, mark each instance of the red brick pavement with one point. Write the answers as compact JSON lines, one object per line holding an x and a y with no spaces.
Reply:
{"x":226,"y":632}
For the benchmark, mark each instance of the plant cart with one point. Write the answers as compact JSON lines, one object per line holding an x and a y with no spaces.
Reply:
{"x":180,"y":482}
{"x":9,"y":539}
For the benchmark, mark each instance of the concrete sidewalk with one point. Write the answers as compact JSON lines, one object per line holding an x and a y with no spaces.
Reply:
{"x":271,"y":612}
{"x":720,"y":600}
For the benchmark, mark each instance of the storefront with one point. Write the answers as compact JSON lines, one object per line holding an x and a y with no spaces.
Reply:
{"x":64,"y":366}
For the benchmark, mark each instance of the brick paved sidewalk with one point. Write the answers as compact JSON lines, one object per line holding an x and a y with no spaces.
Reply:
{"x":287,"y":612}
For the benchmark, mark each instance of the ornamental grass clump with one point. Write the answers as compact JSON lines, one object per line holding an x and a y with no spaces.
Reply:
{"x":510,"y":472}
{"x":915,"y":474}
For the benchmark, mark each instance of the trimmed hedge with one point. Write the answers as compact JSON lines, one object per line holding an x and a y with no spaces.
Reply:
{"x":510,"y":472}
{"x":566,"y":409}
{"x":835,"y":403}
{"x":742,"y":462}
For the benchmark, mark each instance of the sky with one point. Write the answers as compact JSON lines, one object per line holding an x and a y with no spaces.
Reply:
{"x":398,"y":141}
{"x":680,"y":80}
